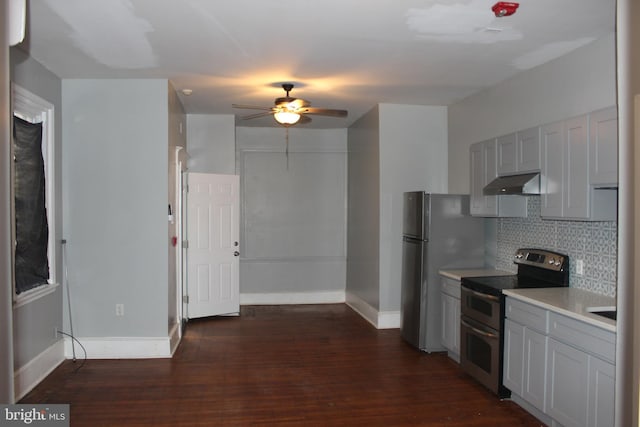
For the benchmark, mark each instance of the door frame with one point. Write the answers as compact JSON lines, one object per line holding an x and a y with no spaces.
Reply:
{"x":181,"y":199}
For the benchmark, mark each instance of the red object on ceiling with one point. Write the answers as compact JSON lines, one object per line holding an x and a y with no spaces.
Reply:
{"x":503,"y":8}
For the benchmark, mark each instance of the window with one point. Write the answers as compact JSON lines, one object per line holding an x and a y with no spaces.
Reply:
{"x":31,"y":109}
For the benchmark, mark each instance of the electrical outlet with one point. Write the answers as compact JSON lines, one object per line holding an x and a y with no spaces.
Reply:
{"x":55,"y":332}
{"x":579,"y":267}
{"x":119,"y":309}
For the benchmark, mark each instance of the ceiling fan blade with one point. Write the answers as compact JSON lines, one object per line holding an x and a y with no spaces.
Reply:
{"x":250,"y":107}
{"x":325,"y":112}
{"x":304,"y":119}
{"x":255,"y":116}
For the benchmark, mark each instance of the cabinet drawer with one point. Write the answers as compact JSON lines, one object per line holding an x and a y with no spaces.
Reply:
{"x":591,"y":339}
{"x":526,"y":314}
{"x":450,"y":287}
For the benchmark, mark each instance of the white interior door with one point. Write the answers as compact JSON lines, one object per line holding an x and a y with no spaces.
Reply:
{"x":213,"y":253}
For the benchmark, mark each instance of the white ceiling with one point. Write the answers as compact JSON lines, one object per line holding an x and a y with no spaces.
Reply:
{"x":347,"y":54}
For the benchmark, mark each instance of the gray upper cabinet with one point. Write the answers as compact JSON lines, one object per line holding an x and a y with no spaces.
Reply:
{"x":603,"y":147}
{"x":507,"y":154}
{"x":519,"y":152}
{"x":483,"y":161}
{"x":576,"y":159}
{"x":482,"y":172}
{"x":567,"y":189}
{"x":551,"y":180}
{"x":528,"y":149}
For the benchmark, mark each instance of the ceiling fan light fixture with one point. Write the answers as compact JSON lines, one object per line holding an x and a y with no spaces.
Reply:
{"x":286,"y":117}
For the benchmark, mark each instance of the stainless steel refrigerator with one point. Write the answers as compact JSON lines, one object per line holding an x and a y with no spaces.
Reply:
{"x":438,"y":232}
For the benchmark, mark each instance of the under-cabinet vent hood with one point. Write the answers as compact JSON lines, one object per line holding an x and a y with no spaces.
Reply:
{"x":528,"y":183}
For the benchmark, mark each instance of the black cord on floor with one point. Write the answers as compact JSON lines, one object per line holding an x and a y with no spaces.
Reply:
{"x":81,"y":346}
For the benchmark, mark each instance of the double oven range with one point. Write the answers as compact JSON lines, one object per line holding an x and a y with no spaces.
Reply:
{"x":483,"y":306}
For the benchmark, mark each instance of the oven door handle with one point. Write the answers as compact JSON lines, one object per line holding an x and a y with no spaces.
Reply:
{"x":478,"y":331}
{"x":482,"y":295}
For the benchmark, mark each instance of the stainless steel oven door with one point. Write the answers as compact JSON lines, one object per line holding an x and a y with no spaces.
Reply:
{"x":480,"y":353}
{"x":482,"y":308}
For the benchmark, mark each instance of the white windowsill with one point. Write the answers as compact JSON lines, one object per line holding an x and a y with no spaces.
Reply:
{"x":29,"y":296}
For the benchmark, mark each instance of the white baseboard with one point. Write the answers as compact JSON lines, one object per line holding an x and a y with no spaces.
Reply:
{"x":389,"y":320}
{"x":380,"y":320}
{"x":328,"y":297}
{"x":30,"y":375}
{"x":120,"y":347}
{"x":174,"y":338}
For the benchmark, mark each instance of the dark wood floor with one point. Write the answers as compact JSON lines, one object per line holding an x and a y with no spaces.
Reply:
{"x":305,"y":365}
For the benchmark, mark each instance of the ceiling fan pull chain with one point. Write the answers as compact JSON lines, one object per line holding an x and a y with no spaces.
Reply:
{"x":286,"y":152}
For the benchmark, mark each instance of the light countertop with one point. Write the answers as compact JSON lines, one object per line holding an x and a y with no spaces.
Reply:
{"x":571,"y":302}
{"x":458,"y":274}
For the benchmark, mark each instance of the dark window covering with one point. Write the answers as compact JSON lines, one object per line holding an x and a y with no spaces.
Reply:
{"x":32,"y":231}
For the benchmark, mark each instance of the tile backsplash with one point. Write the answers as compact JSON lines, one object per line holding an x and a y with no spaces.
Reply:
{"x":593,"y":242}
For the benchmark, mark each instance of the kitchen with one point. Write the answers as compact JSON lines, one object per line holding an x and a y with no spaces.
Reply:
{"x":516,"y":104}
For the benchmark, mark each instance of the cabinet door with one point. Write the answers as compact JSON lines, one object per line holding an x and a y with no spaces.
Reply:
{"x":551,"y":179}
{"x":567,"y":385}
{"x":451,"y":323}
{"x":601,"y":393}
{"x":490,"y":173}
{"x":535,"y":368}
{"x":476,"y":160}
{"x":507,"y":154}
{"x":576,"y":203}
{"x":513,"y":361}
{"x":483,"y":169}
{"x":528,"y":149}
{"x":603,"y":147}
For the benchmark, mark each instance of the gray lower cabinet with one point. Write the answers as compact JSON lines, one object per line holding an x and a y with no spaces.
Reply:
{"x":559,"y":365}
{"x":525,"y":352}
{"x":450,"y":294}
{"x":601,"y":400}
{"x":535,"y":351}
{"x":568,"y":392}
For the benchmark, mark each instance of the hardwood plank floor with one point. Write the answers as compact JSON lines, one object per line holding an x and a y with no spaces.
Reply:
{"x":298,"y":365}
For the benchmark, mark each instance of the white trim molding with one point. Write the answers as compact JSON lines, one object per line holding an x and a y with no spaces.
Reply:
{"x":34,"y":371}
{"x":280,"y":298}
{"x":379,"y":319}
{"x":121,"y":347}
{"x":174,"y":338}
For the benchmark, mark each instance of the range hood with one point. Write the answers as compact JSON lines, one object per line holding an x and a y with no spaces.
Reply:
{"x":528,"y":183}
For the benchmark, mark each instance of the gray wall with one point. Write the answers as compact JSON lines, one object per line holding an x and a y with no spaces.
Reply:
{"x":211,"y":141}
{"x":115,"y":179}
{"x":6,"y":344}
{"x":363,"y":225}
{"x":413,"y":156}
{"x":392,"y":149}
{"x":34,"y":323}
{"x":293,"y":225}
{"x":577,"y":83}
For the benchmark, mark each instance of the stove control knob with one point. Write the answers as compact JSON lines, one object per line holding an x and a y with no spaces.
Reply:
{"x":552,"y":261}
{"x":558,"y":263}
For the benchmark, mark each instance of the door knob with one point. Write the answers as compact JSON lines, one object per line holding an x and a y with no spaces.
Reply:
{"x":236,"y":253}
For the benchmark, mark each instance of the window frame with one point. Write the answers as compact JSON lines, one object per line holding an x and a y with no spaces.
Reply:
{"x":34,"y":109}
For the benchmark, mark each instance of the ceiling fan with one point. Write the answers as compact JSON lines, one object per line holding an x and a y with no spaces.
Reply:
{"x":289,"y":111}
